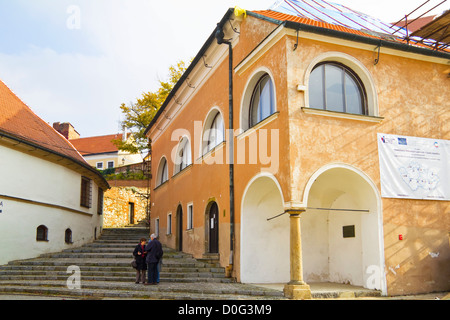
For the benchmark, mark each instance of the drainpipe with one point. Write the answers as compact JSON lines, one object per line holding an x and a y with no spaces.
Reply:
{"x":220,"y":40}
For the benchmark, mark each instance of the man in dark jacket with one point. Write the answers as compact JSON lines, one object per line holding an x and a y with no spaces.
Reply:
{"x":154,"y":254}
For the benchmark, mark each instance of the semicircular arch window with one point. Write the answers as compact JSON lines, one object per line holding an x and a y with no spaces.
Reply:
{"x":335,"y":87}
{"x":262,"y":104}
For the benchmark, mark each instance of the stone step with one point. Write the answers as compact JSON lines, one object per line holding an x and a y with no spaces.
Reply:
{"x":109,"y":255}
{"x":117,"y":290}
{"x":185,"y":273}
{"x":106,"y":272}
{"x":179,"y":278}
{"x":121,"y":250}
{"x":104,"y":269}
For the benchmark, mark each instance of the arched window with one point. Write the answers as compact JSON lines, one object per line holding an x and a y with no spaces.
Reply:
{"x":183,"y":156}
{"x":262,"y":104}
{"x":42,"y":233}
{"x":68,"y":236}
{"x":335,"y":87}
{"x":163,"y":172}
{"x":215,"y":132}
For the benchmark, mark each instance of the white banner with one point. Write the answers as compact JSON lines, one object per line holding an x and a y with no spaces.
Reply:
{"x":414,"y":168}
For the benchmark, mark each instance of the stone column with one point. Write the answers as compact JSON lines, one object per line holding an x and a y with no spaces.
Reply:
{"x":296,"y":289}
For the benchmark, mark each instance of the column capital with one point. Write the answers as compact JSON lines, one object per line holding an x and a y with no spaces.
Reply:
{"x":295,"y":211}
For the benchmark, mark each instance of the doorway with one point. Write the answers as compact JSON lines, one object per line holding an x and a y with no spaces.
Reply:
{"x":214,"y":228}
{"x":131,"y":212}
{"x":179,"y":238}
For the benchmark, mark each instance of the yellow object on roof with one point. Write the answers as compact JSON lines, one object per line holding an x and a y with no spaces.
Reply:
{"x":239,"y":11}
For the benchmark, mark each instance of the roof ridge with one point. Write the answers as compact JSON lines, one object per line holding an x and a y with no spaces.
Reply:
{"x":102,"y":136}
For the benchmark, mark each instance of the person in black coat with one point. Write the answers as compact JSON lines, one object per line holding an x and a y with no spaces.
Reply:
{"x":140,"y":254}
{"x":154,"y":254}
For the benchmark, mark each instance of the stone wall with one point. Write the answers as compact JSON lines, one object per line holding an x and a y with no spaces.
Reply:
{"x":117,"y":201}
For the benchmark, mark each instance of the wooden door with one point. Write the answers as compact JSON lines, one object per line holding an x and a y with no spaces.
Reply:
{"x":214,"y":228}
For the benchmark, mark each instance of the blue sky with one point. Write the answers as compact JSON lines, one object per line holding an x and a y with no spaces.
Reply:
{"x":119,"y":49}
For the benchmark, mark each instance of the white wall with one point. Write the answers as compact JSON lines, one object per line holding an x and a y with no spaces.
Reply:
{"x":30,"y":178}
{"x":264,"y":244}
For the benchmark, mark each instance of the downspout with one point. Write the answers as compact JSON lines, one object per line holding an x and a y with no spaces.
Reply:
{"x":220,"y":40}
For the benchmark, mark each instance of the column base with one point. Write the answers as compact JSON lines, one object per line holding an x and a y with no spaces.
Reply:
{"x":297,"y":291}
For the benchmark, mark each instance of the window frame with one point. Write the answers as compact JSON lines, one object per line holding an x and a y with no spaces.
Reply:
{"x":162,"y":175}
{"x":100,"y":199}
{"x":86,"y":193}
{"x":169,"y":224}
{"x":210,"y":139}
{"x":157,"y":227}
{"x":68,"y":236}
{"x":272,"y":105}
{"x":42,"y":233}
{"x":183,"y":156}
{"x":363,"y":73}
{"x":344,"y":70}
{"x":246,"y":99}
{"x":190,"y":216}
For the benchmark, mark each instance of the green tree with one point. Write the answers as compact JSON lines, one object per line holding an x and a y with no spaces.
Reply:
{"x":139,"y":114}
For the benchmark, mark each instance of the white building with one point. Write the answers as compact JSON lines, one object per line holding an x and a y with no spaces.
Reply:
{"x":50,"y":198}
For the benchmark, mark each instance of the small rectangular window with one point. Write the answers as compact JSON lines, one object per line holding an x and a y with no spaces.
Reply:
{"x":86,"y":193}
{"x":100,"y":201}
{"x":110,"y":164}
{"x":157,"y":227}
{"x":100,"y":165}
{"x":348,"y":231}
{"x":169,"y":223}
{"x":190,"y":216}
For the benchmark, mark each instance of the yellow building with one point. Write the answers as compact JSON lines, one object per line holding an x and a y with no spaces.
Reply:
{"x":101,"y":153}
{"x":313,"y":105}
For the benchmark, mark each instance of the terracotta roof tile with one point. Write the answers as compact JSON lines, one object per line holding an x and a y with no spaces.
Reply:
{"x":18,"y":120}
{"x":96,"y":145}
{"x":286,"y":17}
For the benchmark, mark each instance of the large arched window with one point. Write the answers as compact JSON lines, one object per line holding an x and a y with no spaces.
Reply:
{"x":262,"y":104}
{"x":183,"y":157}
{"x":163,"y":172}
{"x":214,"y":133}
{"x":335,"y":87}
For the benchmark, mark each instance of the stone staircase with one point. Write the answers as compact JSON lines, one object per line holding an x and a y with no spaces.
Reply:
{"x":106,"y":273}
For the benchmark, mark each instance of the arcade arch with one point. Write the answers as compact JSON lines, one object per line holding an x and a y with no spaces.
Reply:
{"x":264,"y":244}
{"x":342,"y":238}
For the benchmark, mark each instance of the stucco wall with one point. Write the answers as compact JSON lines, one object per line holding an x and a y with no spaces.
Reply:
{"x":116,"y":206}
{"x":413,"y":102}
{"x":39,"y":192}
{"x":408,"y":100}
